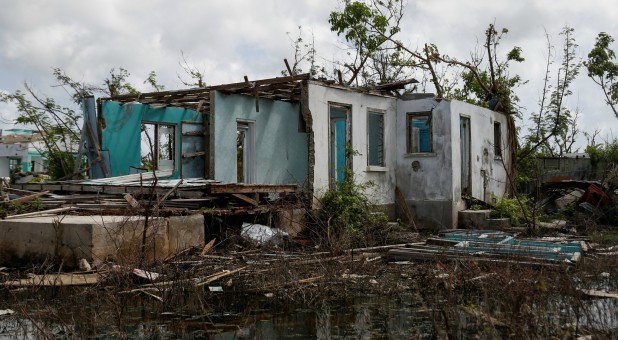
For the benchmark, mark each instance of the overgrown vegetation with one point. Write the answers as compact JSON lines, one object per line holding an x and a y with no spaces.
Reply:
{"x":517,"y":209}
{"x":14,"y":207}
{"x":348,"y":217}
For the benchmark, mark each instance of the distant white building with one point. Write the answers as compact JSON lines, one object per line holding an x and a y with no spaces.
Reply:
{"x":19,"y":149}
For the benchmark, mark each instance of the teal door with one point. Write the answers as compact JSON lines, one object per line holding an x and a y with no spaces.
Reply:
{"x":339,"y":137}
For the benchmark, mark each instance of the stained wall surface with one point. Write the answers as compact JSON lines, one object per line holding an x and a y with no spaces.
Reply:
{"x":121,"y":134}
{"x":320,"y":97}
{"x":279,"y":146}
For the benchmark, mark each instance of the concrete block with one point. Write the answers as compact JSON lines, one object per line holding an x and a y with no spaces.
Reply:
{"x":184,"y":232}
{"x":67,"y":239}
{"x":473,"y":219}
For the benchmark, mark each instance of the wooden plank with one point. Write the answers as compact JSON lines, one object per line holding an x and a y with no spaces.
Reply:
{"x":40,"y":213}
{"x":246,"y":199}
{"x":404,"y":206}
{"x":250,"y":188}
{"x":28,"y":198}
{"x":56,"y":280}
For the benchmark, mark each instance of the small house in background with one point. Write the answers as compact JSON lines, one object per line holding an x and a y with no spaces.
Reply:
{"x":19,"y":151}
{"x":299,"y":130}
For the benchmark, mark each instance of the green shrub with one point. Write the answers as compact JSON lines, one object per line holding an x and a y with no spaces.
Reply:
{"x":348,"y":217}
{"x":515,"y":209}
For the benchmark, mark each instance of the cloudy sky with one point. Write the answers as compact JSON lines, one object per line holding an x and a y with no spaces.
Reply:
{"x":232,"y":38}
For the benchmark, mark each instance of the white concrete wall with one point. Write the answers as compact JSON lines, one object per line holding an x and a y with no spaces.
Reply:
{"x":492,"y":186}
{"x":384,"y":177}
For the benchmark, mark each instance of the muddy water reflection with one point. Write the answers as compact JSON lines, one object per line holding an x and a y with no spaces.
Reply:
{"x":71,"y":313}
{"x":80,"y":313}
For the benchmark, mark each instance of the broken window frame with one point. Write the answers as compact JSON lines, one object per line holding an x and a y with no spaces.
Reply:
{"x":156,"y":148}
{"x":375,"y":139}
{"x":420,"y":147}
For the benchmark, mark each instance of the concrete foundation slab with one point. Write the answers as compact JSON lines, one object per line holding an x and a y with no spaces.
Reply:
{"x":67,"y":239}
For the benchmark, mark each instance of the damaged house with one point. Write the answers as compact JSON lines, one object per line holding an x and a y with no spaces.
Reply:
{"x":296,"y":130}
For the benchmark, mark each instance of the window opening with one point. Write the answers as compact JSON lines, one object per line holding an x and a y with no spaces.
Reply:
{"x":419,"y":133}
{"x":157,"y":147}
{"x":375,"y":138}
{"x":497,"y":140}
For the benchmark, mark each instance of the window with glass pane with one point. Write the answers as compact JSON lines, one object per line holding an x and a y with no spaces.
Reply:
{"x":375,"y":138}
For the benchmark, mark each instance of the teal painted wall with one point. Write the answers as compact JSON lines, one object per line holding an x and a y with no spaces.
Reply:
{"x":121,"y":135}
{"x":280,"y":149}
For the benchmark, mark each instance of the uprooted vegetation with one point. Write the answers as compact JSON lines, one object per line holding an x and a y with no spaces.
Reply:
{"x":216,"y":289}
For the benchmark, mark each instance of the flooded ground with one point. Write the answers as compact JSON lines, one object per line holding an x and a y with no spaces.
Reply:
{"x":405,"y":301}
{"x":275,"y":294}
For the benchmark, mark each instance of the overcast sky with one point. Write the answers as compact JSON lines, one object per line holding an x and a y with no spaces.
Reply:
{"x":233,"y":38}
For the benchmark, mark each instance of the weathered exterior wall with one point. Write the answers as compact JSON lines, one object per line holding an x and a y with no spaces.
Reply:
{"x":431,"y":182}
{"x":121,"y":135}
{"x":95,"y":238}
{"x":280,"y":149}
{"x":426,"y":180}
{"x":574,"y":167}
{"x":488,"y":170}
{"x":383,"y":177}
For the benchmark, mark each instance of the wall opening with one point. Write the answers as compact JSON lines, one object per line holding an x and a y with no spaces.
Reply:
{"x":465,"y":150}
{"x":497,"y":140}
{"x":158,"y":146}
{"x":245,"y":152}
{"x":375,"y":138}
{"x":419,"y":134}
{"x":340,"y":141}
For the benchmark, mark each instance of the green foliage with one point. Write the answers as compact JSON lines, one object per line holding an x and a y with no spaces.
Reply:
{"x":59,"y":164}
{"x":517,"y":209}
{"x":117,"y":83}
{"x":368,"y":27}
{"x":152,"y":81}
{"x":14,"y":208}
{"x":348,"y":217}
{"x":488,"y":83}
{"x":603,"y":69}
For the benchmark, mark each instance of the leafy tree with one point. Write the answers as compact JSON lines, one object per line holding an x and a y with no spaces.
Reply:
{"x":368,"y":27}
{"x":603,"y":69}
{"x":555,"y":125}
{"x":117,"y":83}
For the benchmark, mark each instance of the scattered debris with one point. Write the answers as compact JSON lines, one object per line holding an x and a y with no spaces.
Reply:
{"x":487,"y":245}
{"x":83,"y":265}
{"x":69,"y":279}
{"x":260,"y":234}
{"x":599,"y":293}
{"x":6,"y":312}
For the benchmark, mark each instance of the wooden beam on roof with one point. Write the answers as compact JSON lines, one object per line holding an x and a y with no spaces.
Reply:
{"x":288,"y":67}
